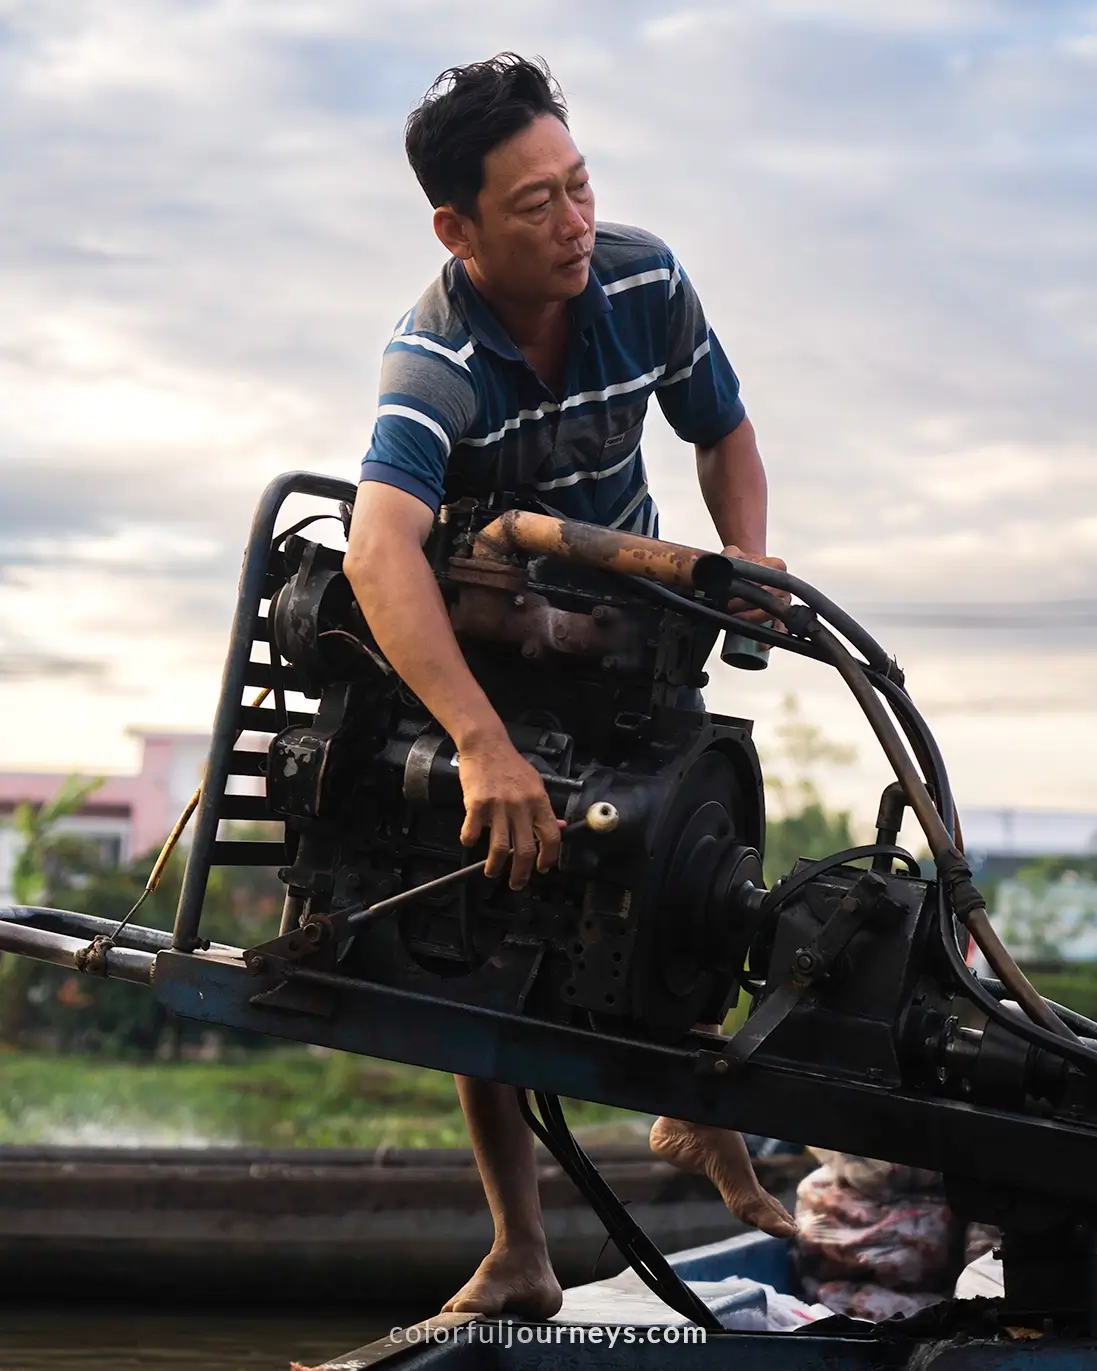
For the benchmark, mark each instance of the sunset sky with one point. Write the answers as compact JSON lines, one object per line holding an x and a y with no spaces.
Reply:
{"x":208,"y":231}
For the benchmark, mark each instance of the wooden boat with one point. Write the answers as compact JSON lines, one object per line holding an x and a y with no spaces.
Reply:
{"x":399,"y":1228}
{"x":590,"y":1334}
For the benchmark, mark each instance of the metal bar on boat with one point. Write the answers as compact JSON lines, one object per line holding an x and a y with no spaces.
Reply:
{"x":117,"y":963}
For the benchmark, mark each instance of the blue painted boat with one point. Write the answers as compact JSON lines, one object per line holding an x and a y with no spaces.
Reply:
{"x":618,"y":1325}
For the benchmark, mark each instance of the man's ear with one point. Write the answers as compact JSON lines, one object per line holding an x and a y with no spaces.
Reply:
{"x":451,"y":230}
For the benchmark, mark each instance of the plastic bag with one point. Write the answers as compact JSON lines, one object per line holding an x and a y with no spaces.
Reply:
{"x":876,"y":1239}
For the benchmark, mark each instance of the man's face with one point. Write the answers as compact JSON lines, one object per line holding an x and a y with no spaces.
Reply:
{"x":535,"y":229}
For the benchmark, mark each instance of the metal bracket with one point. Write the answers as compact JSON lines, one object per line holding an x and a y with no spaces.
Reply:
{"x":810,"y":967}
{"x":315,"y":933}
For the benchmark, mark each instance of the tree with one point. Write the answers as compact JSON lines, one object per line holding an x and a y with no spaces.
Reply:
{"x":92,"y":1014}
{"x":799,"y":824}
{"x":40,"y":866}
{"x":1047,"y":911}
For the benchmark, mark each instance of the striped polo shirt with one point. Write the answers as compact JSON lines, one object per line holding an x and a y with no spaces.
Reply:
{"x":463,"y":413}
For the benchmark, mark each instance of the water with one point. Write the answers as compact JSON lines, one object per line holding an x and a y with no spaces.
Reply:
{"x":87,"y":1338}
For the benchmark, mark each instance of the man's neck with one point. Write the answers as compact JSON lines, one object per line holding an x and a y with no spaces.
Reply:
{"x":531,"y":324}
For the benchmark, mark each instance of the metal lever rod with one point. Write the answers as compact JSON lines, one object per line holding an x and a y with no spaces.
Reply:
{"x":314,"y":933}
{"x":599,"y":818}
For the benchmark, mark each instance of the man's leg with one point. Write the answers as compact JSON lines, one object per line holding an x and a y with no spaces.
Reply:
{"x":721,"y":1155}
{"x":517,"y":1273}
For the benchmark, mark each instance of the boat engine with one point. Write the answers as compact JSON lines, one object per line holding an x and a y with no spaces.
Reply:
{"x":645,"y":925}
{"x":657,"y":910}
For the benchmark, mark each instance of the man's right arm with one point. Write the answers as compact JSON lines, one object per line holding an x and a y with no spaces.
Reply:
{"x":396,"y":591}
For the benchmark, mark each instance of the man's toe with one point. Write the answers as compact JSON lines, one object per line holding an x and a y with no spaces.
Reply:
{"x":768,"y":1214}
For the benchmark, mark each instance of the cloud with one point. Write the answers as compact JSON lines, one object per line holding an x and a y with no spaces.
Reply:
{"x":210,"y":231}
{"x":28,"y":666}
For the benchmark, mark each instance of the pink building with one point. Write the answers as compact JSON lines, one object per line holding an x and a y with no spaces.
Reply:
{"x":129,"y":814}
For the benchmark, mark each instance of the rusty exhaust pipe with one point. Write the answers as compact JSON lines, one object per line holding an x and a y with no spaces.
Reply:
{"x":671,"y":564}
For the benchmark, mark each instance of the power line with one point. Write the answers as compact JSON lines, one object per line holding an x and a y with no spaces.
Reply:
{"x":986,"y":614}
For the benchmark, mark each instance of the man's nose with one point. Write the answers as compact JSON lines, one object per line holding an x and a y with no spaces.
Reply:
{"x":572,"y":224}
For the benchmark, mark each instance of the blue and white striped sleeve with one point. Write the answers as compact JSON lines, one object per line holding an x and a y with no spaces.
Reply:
{"x":427,"y":403}
{"x":699,"y":391}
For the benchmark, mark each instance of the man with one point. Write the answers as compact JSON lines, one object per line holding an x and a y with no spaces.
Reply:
{"x":527,"y":367}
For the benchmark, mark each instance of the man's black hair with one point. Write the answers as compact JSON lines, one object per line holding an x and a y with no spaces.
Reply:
{"x":467,"y":112}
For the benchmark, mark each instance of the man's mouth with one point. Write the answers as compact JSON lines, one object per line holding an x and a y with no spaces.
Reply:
{"x":580,"y":259}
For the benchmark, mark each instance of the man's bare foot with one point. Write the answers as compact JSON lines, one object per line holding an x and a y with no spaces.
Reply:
{"x":512,"y":1280}
{"x":721,"y":1155}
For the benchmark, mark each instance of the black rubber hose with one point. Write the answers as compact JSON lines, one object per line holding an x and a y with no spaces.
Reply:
{"x":1077,"y":1021}
{"x":759,"y":598}
{"x":758,"y":632}
{"x":952,"y":869}
{"x":630,"y":1239}
{"x":922,"y":741}
{"x":982,"y":991}
{"x":297,"y":528}
{"x":784,"y":890}
{"x":971,"y":987}
{"x":648,"y":1261}
{"x":846,"y":625}
{"x":932,"y":812}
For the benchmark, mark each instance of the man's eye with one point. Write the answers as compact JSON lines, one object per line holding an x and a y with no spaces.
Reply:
{"x":581,"y":188}
{"x":541,"y":204}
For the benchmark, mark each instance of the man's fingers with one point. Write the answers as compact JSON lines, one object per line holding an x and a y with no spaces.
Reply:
{"x":499,"y":847}
{"x":751,"y":614}
{"x":525,"y":851}
{"x":475,"y":817}
{"x":547,"y":828}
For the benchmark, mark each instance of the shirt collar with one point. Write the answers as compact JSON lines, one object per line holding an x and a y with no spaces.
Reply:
{"x":586,"y":309}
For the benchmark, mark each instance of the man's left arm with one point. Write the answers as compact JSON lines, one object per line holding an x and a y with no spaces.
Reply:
{"x":733,"y":483}
{"x":699,"y":394}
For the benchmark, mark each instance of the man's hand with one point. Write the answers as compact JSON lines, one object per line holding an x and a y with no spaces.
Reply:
{"x":396,"y":591}
{"x":740,"y":608}
{"x":504,"y":792}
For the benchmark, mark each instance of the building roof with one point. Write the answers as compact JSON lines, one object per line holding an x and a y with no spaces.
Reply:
{"x":1028,"y":832}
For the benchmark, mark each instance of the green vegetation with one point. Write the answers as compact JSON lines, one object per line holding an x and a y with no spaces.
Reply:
{"x":49,"y":1007}
{"x":43,"y":856}
{"x":1045,"y":909}
{"x":1074,"y":985}
{"x":799,"y":823}
{"x":1048,"y":909}
{"x":285,"y":1097}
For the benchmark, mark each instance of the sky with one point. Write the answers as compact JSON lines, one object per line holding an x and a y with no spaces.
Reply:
{"x":208,"y":231}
